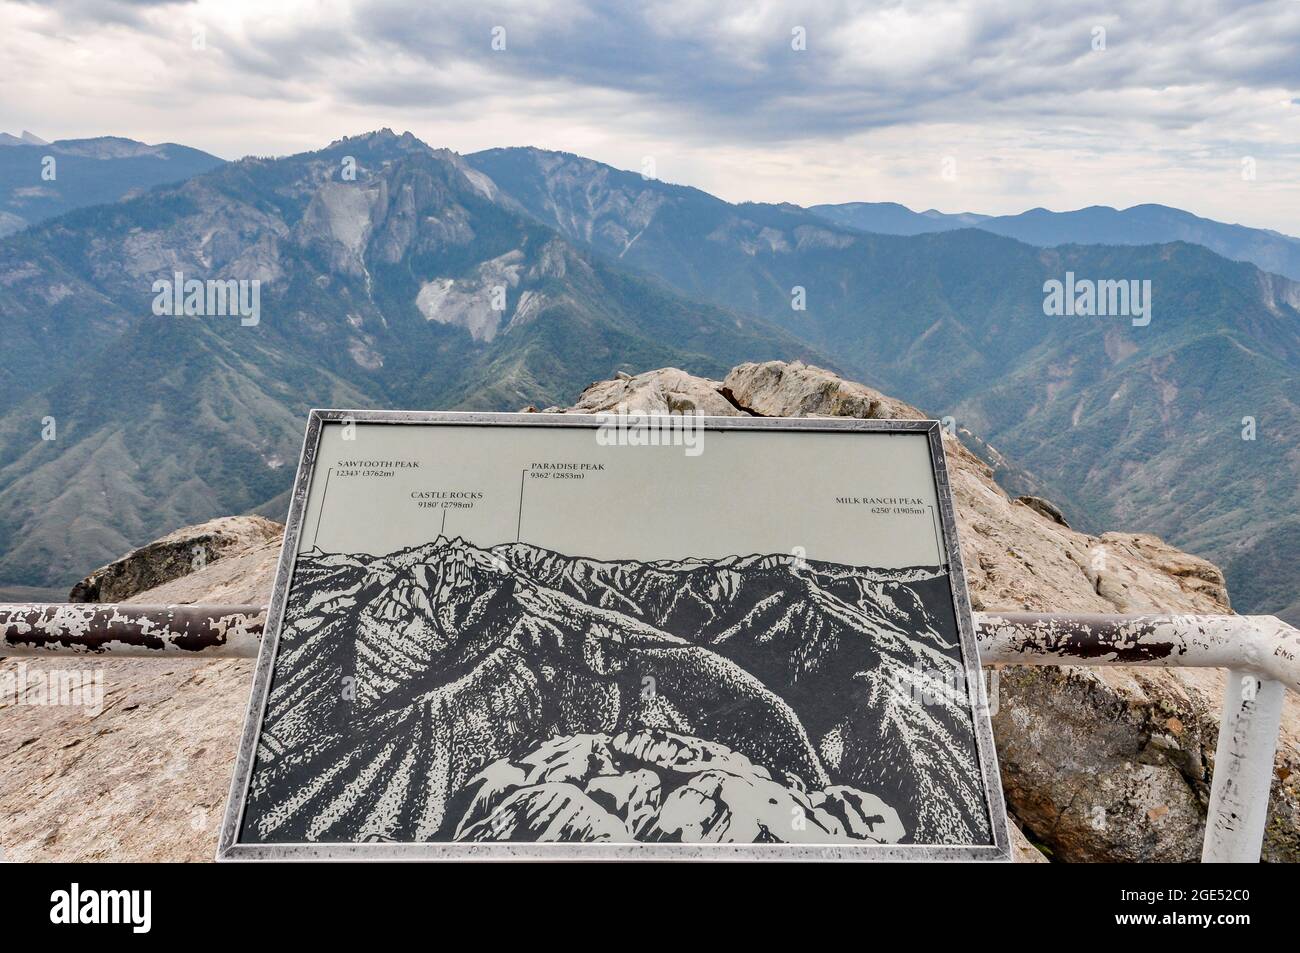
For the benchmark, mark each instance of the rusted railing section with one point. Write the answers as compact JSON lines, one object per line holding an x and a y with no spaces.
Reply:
{"x":129,"y":630}
{"x":1263,"y":645}
{"x":1261,"y":654}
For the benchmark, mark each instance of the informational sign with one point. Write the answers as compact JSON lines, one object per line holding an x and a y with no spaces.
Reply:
{"x":617,"y":636}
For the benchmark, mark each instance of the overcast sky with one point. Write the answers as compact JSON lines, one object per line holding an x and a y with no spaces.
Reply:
{"x":965,"y":105}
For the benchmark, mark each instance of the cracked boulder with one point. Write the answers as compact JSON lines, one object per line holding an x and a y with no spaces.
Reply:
{"x":175,"y":555}
{"x":1045,"y":508}
{"x":666,"y":391}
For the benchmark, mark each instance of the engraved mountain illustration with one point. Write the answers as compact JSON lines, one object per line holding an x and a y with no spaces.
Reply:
{"x":450,"y":691}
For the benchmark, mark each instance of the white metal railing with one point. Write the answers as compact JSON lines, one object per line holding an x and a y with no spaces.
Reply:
{"x":1261,"y":654}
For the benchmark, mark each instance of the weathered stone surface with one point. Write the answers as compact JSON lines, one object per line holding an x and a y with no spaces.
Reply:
{"x":663,"y":392}
{"x":1097,"y":764}
{"x":1022,"y":851}
{"x":176,"y":554}
{"x":1044,"y":507}
{"x":778,"y":389}
{"x":241,"y":577}
{"x":146,"y":778}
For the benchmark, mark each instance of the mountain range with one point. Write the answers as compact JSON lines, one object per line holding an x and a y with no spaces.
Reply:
{"x":519,"y":693}
{"x":39,"y":179}
{"x":1140,"y":427}
{"x":516,"y":276}
{"x":1096,"y":225}
{"x":374,"y":293}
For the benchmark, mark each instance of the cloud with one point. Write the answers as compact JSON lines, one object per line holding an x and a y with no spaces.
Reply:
{"x":1039,"y":103}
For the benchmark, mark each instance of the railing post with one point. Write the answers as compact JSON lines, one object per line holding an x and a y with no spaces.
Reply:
{"x":1243,"y":769}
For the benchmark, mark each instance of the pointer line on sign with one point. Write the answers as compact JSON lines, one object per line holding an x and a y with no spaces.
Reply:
{"x":520,"y":524}
{"x":321,"y":511}
{"x":938,"y":545}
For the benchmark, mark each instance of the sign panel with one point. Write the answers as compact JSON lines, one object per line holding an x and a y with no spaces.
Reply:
{"x":526,"y":635}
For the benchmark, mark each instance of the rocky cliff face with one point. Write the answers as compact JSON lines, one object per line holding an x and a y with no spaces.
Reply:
{"x":1097,"y":764}
{"x":177,"y":554}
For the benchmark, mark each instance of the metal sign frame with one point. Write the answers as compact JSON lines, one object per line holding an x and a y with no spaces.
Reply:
{"x":230,"y":848}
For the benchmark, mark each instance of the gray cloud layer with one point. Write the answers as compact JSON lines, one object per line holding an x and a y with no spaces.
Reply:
{"x":1014,"y":92}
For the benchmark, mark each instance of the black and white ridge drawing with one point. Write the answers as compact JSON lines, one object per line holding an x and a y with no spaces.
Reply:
{"x":456,"y":692}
